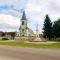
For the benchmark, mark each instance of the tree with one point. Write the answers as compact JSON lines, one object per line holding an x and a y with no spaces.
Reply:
{"x":47,"y":33}
{"x":13,"y":34}
{"x":56,"y":29}
{"x":2,"y":34}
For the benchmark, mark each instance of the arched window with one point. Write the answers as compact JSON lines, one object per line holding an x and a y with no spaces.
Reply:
{"x":23,"y":30}
{"x":22,"y":22}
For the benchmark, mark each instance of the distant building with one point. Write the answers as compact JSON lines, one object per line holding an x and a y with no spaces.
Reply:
{"x":7,"y":35}
{"x":10,"y":35}
{"x":24,"y":30}
{"x":25,"y":33}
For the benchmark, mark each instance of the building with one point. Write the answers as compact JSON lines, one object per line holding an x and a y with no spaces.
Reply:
{"x":7,"y":35}
{"x":25,"y":33}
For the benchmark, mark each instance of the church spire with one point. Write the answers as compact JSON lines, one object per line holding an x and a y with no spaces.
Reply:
{"x":24,"y":16}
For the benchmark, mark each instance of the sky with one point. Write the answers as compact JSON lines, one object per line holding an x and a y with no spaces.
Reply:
{"x":11,"y":13}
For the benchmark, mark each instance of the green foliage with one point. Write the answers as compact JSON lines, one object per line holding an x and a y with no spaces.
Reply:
{"x":30,"y":45}
{"x":5,"y":39}
{"x":2,"y":34}
{"x":47,"y":28}
{"x":56,"y":29}
{"x":13,"y":34}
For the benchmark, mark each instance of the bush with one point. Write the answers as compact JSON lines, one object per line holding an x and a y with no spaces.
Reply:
{"x":58,"y":39}
{"x":5,"y":39}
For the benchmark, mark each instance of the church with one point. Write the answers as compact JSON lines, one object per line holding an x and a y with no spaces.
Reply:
{"x":25,"y":33}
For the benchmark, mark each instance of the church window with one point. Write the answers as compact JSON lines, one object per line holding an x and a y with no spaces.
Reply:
{"x":23,"y":30}
{"x":22,"y":22}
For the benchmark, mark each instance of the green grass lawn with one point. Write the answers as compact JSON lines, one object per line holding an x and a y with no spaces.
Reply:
{"x":32,"y":45}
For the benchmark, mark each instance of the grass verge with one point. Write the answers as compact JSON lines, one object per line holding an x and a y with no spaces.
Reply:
{"x":31,"y":45}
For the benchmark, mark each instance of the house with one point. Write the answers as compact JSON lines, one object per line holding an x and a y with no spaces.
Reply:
{"x":7,"y":35}
{"x":10,"y":35}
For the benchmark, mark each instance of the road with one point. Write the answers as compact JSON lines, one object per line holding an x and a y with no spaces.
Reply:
{"x":20,"y":53}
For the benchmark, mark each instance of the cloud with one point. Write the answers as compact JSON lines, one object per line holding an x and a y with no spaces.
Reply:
{"x":33,"y":7}
{"x":10,"y":14}
{"x":9,"y":22}
{"x":35,"y":11}
{"x":15,"y":2}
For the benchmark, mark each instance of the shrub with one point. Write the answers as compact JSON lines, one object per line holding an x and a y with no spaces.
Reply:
{"x":5,"y":39}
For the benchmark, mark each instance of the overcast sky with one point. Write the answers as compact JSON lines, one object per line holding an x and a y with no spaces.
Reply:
{"x":11,"y":12}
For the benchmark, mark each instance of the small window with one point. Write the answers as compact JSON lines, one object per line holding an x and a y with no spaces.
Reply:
{"x":23,"y":30}
{"x":22,"y":22}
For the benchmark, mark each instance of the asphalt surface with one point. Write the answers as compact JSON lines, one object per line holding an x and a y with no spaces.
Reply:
{"x":20,"y":53}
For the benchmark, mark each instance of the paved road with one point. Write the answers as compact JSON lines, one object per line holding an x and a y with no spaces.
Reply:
{"x":20,"y":53}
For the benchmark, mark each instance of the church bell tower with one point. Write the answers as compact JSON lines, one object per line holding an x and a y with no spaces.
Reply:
{"x":23,"y":26}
